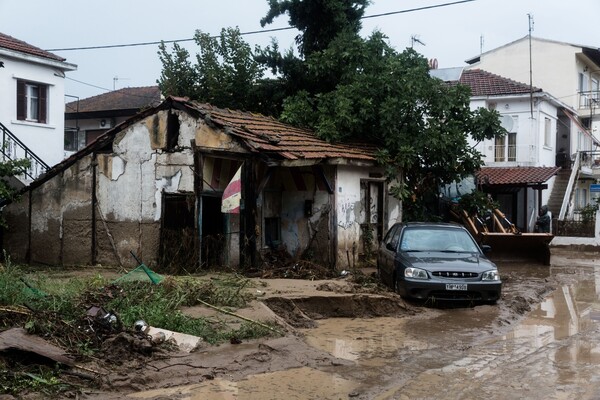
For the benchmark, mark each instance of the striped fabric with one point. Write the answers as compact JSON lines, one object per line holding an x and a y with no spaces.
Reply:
{"x":232,"y":194}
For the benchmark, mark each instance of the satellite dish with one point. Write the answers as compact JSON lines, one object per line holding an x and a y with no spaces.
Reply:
{"x":507,"y":122}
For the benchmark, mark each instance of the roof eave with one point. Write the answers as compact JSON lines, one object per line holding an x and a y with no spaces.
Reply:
{"x":65,"y":66}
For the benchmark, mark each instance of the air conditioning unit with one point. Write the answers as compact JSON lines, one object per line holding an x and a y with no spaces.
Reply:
{"x":105,"y":123}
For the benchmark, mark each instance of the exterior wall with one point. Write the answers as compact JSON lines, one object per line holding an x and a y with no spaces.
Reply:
{"x":350,"y":212}
{"x":61,"y":214}
{"x":129,"y":185}
{"x":86,"y":125}
{"x":45,"y":140}
{"x":299,"y":197}
{"x":554,"y":67}
{"x":530,"y":133}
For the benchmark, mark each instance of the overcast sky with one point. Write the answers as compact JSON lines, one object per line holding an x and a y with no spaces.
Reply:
{"x":451,"y":34}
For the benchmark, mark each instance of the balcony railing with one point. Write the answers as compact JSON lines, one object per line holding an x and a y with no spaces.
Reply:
{"x":523,"y":153}
{"x":13,"y":149}
{"x":589,"y":99}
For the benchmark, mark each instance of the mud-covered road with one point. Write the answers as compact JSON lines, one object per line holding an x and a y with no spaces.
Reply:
{"x":541,"y":341}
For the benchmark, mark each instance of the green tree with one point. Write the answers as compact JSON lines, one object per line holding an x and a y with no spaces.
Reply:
{"x":420,"y":124}
{"x":178,"y":77}
{"x":9,"y":170}
{"x":320,"y":22}
{"x":224,"y":74}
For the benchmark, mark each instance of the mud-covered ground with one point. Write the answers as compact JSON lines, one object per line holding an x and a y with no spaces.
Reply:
{"x":344,"y":340}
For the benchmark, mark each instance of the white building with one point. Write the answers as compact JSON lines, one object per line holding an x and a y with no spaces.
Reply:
{"x":520,"y":167}
{"x":569,"y":72}
{"x":32,"y":103}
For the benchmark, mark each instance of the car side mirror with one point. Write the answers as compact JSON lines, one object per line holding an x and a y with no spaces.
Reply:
{"x":486,"y":248}
{"x":390,"y":247}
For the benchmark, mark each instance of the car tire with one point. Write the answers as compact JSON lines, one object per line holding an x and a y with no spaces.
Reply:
{"x":396,"y":285}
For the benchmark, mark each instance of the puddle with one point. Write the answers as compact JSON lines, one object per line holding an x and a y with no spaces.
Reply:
{"x":362,"y":339}
{"x":297,"y":383}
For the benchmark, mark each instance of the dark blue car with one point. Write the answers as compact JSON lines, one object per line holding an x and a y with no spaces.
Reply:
{"x":437,"y":261}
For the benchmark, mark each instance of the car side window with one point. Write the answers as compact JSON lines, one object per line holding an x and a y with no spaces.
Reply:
{"x":388,"y":241}
{"x":395,"y":238}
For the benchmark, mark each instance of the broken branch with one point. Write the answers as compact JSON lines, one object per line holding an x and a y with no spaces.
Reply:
{"x":240,"y":317}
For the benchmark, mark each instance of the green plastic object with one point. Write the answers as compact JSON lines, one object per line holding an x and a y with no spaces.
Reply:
{"x":141,"y":272}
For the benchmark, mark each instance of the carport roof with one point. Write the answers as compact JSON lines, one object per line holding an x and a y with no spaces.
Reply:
{"x":515,"y":175}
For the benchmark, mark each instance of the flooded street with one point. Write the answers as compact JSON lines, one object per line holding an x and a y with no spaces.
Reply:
{"x":542,"y":341}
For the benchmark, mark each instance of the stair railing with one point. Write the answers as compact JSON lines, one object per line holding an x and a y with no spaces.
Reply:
{"x":567,"y":204}
{"x":13,"y":149}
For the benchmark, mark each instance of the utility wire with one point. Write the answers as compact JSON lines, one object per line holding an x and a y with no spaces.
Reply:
{"x":111,"y":46}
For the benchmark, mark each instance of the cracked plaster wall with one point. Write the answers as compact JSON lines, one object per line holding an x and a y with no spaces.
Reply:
{"x":130,"y":182}
{"x":350,"y":214}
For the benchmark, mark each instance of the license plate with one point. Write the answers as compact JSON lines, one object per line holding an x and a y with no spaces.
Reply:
{"x":456,"y":286}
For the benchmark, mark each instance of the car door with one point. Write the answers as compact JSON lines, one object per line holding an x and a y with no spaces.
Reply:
{"x":387,"y":254}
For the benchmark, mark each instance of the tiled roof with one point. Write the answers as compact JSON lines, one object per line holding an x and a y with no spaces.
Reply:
{"x":483,"y":83}
{"x":9,"y":42}
{"x":122,"y":99}
{"x":268,"y":136}
{"x":515,"y":175}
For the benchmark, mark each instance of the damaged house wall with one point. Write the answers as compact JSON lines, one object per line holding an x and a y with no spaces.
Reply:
{"x":153,"y":185}
{"x":295,"y":209}
{"x":364,"y":212}
{"x":105,"y":204}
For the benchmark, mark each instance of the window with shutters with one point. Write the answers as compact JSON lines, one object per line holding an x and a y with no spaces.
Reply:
{"x":32,"y":102}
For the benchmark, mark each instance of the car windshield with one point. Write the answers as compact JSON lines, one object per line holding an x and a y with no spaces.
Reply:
{"x":437,"y":239}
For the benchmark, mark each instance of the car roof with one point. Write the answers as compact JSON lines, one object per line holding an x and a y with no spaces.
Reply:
{"x":433,"y":225}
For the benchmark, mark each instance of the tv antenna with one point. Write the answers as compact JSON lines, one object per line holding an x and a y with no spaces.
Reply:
{"x":115,"y":79}
{"x":415,"y":39}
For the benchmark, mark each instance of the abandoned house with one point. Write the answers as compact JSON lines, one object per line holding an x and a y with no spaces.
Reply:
{"x":153,"y":186}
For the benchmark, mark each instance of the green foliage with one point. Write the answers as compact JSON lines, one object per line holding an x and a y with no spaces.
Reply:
{"x":588,"y":213}
{"x":420,"y":124}
{"x":477,"y":202}
{"x":224,"y":73}
{"x":178,"y":77}
{"x":9,"y":169}
{"x":320,"y":21}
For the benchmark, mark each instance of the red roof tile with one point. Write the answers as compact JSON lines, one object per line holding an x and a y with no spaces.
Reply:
{"x":483,"y":83}
{"x":515,"y":175}
{"x":9,"y":42}
{"x":267,"y":135}
{"x":122,"y":99}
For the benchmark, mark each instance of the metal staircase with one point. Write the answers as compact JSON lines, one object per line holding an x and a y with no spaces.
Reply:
{"x":13,"y":149}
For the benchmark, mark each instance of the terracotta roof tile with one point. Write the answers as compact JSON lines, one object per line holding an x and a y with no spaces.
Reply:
{"x":515,"y":175}
{"x":267,"y":135}
{"x":9,"y":42}
{"x":483,"y":83}
{"x":122,"y":99}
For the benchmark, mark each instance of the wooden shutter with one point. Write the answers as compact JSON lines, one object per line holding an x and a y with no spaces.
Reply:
{"x":43,"y":104}
{"x":21,"y":101}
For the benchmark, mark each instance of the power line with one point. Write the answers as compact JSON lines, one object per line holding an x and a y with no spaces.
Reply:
{"x":111,"y":46}
{"x":88,"y":84}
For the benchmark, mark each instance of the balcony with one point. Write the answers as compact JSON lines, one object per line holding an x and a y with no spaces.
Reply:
{"x":590,"y":164}
{"x":589,"y":101}
{"x":511,"y":155}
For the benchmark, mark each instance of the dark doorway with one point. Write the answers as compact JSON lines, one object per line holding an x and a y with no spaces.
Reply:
{"x":178,"y":249}
{"x":213,"y":232}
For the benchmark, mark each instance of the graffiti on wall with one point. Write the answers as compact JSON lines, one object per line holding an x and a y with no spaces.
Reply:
{"x":347,"y":217}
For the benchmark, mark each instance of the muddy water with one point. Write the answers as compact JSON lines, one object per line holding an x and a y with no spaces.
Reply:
{"x":550,"y":352}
